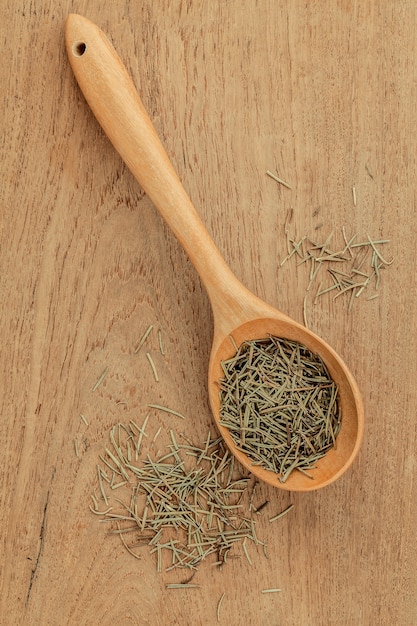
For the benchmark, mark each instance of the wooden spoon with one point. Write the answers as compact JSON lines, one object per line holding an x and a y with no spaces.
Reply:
{"x":114,"y":101}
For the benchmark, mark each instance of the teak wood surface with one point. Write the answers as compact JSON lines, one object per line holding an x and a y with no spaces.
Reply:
{"x":324,"y":95}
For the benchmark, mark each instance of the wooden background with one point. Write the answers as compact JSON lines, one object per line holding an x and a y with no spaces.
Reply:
{"x":315,"y":91}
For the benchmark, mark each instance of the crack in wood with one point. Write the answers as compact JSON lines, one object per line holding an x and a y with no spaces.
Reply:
{"x":41,"y":540}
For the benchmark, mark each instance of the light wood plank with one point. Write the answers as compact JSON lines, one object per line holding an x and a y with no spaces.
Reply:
{"x":312,"y":91}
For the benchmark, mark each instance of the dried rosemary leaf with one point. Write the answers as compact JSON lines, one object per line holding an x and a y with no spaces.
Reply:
{"x":143,"y":338}
{"x":184,"y":510}
{"x":219,"y":604}
{"x":166,"y":409}
{"x":278,"y":180}
{"x":354,"y":268}
{"x":153,"y":367}
{"x":100,"y":379}
{"x":279,"y":404}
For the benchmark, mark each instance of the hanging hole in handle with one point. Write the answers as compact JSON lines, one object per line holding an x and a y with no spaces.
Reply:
{"x":79,"y":48}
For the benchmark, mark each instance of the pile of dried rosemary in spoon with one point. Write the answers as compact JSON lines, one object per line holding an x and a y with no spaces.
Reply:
{"x":279,"y":404}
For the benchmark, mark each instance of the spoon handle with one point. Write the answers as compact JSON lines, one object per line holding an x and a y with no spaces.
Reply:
{"x":112,"y":97}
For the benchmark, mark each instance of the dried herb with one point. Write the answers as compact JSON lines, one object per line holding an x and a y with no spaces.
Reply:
{"x":188,"y":502}
{"x":219,"y":604}
{"x":287,"y":510}
{"x":277,"y":179}
{"x":161,"y":346}
{"x":280,"y":405}
{"x":152,"y":364}
{"x":166,"y":410}
{"x":347,"y":270}
{"x":143,"y":338}
{"x":100,"y":379}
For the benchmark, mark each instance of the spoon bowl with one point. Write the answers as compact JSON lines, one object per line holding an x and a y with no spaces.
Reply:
{"x":337,"y":460}
{"x":237,"y":312}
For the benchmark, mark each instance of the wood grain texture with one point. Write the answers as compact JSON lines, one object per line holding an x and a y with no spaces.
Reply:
{"x":311,"y":91}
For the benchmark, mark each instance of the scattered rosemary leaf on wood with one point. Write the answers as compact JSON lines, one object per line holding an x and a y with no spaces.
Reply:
{"x":201,"y":502}
{"x":284,"y":512}
{"x":166,"y":409}
{"x":270,"y":590}
{"x":354,"y":196}
{"x":122,"y":539}
{"x":100,"y":482}
{"x":161,"y":346}
{"x":379,"y":255}
{"x":156,"y":435}
{"x":344,"y":265}
{"x":152,"y":364}
{"x":369,"y":171}
{"x":278,"y":180}
{"x":118,"y":485}
{"x":143,"y":338}
{"x":100,"y":379}
{"x":245,"y":550}
{"x":96,"y":512}
{"x":219,"y":604}
{"x":305,"y":311}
